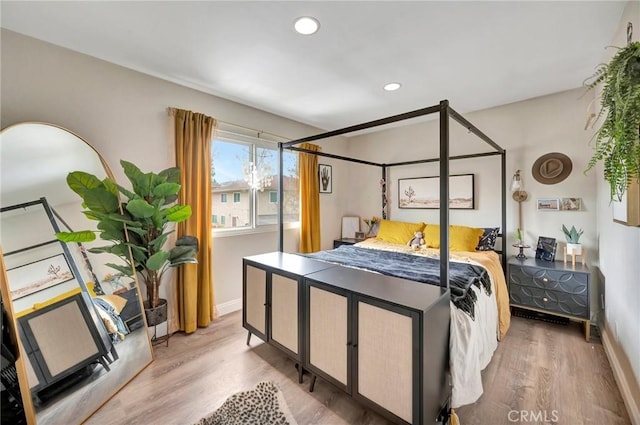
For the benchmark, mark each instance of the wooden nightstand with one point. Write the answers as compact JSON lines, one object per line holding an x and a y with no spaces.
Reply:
{"x":551,"y":287}
{"x":345,"y":241}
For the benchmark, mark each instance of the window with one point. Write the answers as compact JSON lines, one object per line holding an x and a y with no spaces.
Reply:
{"x":214,"y":219}
{"x":248,"y":168}
{"x":223,"y":219}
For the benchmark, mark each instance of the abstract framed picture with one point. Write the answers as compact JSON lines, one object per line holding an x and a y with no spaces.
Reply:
{"x":548,"y":204}
{"x":571,"y":204}
{"x":546,"y":248}
{"x":325,"y":178}
{"x":424,"y":192}
{"x":38,"y":275}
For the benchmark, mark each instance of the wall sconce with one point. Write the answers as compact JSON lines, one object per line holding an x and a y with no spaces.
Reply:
{"x":519,"y":195}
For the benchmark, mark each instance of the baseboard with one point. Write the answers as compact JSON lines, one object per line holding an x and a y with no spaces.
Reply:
{"x":230,"y":307}
{"x":629,"y":388}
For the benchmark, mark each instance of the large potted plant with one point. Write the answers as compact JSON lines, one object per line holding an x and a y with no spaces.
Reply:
{"x":616,"y":141}
{"x":147,"y":214}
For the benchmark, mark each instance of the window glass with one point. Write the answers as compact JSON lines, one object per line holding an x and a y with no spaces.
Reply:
{"x":248,"y":168}
{"x":228,"y":162}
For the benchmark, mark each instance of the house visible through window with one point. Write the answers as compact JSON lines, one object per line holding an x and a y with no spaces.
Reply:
{"x":247,"y":167}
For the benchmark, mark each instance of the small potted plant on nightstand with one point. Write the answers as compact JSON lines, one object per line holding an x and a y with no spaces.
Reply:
{"x":574,"y":247}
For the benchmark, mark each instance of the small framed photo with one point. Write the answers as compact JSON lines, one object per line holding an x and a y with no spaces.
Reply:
{"x":360,"y":235}
{"x":546,"y":248}
{"x":548,"y":204}
{"x":325,"y":178}
{"x":571,"y":204}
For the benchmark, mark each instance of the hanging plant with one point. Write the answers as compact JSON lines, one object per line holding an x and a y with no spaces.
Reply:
{"x":616,"y":142}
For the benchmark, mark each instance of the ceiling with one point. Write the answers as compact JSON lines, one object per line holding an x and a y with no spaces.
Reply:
{"x":476,"y":54}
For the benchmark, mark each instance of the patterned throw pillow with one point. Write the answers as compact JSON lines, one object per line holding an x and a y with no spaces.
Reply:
{"x":488,"y":239}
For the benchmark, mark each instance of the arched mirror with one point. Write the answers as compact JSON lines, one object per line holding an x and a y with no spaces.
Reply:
{"x":80,"y":324}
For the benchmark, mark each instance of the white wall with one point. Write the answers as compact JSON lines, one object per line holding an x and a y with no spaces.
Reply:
{"x":619,"y":261}
{"x":123,"y":113}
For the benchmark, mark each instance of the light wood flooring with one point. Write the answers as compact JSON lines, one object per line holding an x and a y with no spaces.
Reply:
{"x":539,"y":367}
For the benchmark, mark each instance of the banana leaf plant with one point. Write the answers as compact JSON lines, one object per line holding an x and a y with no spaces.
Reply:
{"x":141,"y":224}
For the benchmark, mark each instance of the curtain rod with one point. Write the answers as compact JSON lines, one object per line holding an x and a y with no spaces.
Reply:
{"x":172,"y":111}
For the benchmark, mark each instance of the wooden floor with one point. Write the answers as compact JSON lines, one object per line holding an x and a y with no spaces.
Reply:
{"x":541,"y":373}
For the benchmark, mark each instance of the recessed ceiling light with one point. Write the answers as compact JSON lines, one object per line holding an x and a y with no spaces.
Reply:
{"x":306,"y":25}
{"x":392,"y":86}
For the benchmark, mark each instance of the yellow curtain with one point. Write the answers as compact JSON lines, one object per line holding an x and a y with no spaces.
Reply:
{"x":309,"y":199}
{"x":194,"y":295}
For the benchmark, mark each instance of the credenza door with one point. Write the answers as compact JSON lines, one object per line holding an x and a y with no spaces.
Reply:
{"x":386,"y":357}
{"x":255,"y":300}
{"x":329,"y":334}
{"x":285,"y":307}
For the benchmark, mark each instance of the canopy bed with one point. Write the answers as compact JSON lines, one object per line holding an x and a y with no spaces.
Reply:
{"x":371,"y":326}
{"x":79,"y":336}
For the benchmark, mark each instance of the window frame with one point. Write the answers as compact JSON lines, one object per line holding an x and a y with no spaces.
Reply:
{"x":229,"y":136}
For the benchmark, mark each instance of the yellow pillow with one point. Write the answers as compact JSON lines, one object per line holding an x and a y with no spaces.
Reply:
{"x":464,"y":238}
{"x":115,"y":301}
{"x":431,"y":235}
{"x":461,"y":238}
{"x":398,"y":231}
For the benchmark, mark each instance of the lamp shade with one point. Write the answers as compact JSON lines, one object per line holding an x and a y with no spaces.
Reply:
{"x":516,"y":184}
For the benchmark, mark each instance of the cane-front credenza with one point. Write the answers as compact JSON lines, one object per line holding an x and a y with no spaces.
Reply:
{"x":383,"y":340}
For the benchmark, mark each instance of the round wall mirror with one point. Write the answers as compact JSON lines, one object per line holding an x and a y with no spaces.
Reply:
{"x":80,"y":325}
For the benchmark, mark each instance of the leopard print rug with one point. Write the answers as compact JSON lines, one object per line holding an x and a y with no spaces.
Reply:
{"x":262,"y":405}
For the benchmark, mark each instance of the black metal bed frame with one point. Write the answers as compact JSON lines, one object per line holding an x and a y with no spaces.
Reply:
{"x":445,"y":112}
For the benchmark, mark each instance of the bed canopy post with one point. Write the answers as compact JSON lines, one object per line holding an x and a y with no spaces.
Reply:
{"x":503,"y":165}
{"x":444,"y":193}
{"x":383,"y":189}
{"x":280,"y":198}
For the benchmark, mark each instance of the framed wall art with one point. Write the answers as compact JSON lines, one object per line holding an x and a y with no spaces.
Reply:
{"x":424,"y":192}
{"x":627,"y":210}
{"x":571,"y":204}
{"x":548,"y":204}
{"x":39,"y":275}
{"x":325,"y":178}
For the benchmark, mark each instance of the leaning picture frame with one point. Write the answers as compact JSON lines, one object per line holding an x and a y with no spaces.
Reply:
{"x":39,"y":275}
{"x":546,"y":248}
{"x":325,"y":178}
{"x":424,"y":192}
{"x":350,"y":226}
